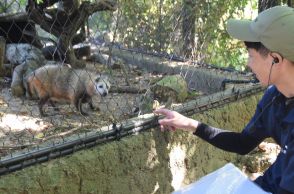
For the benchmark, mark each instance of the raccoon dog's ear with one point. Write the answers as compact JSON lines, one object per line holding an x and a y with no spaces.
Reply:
{"x":97,"y":78}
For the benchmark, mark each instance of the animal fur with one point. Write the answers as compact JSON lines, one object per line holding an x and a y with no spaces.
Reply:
{"x":65,"y":84}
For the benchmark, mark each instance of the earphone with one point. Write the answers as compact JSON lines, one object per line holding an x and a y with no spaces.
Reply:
{"x":276,"y":60}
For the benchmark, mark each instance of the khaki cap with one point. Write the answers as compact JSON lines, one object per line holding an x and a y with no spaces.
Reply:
{"x":273,"y":27}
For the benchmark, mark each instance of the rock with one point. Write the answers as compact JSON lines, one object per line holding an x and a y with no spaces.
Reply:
{"x":25,"y":58}
{"x":172,"y":86}
{"x":19,"y":77}
{"x":16,"y":54}
{"x":163,"y":93}
{"x":261,"y":158}
{"x":17,"y":87}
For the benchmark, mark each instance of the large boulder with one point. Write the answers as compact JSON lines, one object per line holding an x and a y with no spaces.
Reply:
{"x":23,"y":59}
{"x":172,"y":87}
{"x":168,"y":90}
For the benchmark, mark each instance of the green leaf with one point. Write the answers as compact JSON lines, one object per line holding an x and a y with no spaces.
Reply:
{"x":39,"y":1}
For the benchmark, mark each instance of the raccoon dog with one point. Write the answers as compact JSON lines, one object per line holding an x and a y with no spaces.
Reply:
{"x":62,"y":83}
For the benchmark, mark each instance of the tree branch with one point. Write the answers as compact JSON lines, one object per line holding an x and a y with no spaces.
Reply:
{"x":65,"y":22}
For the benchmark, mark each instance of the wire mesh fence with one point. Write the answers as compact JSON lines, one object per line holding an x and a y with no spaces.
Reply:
{"x":78,"y":73}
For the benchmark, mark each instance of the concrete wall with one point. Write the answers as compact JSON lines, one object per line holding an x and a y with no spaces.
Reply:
{"x":150,"y":162}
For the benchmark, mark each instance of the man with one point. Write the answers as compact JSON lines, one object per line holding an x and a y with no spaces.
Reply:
{"x":270,"y":44}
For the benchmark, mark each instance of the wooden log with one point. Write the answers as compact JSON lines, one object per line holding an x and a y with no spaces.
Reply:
{"x":16,"y":28}
{"x":127,"y":89}
{"x":2,"y":56}
{"x":8,"y":17}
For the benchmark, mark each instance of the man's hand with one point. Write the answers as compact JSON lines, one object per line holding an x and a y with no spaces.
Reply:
{"x":174,"y":120}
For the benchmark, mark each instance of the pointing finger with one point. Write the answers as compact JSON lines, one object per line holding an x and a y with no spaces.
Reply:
{"x":165,"y":121}
{"x":162,"y":111}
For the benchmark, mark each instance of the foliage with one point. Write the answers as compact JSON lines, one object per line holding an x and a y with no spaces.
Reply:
{"x":12,"y":6}
{"x":39,"y":1}
{"x":155,"y":26}
{"x":219,"y":48}
{"x":148,"y":24}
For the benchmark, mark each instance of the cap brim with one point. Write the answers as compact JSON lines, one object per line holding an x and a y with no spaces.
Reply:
{"x":240,"y":29}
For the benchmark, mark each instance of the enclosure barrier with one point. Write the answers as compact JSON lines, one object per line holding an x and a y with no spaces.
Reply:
{"x":123,"y":129}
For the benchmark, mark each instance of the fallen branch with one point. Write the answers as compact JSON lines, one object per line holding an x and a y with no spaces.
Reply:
{"x":16,"y":147}
{"x":127,"y":89}
{"x":63,"y":134}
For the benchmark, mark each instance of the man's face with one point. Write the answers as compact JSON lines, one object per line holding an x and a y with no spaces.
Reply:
{"x":260,"y":66}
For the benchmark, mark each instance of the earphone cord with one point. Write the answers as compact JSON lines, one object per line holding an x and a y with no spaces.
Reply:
{"x":269,"y":75}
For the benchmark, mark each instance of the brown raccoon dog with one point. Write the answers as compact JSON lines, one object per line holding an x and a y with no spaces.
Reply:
{"x":62,"y":83}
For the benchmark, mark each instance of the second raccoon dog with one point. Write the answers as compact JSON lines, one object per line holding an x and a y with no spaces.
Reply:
{"x":62,"y":83}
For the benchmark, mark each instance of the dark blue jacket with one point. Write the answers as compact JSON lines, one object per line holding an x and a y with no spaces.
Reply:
{"x":274,"y":117}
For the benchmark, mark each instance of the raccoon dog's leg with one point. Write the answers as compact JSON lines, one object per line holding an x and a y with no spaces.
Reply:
{"x":90,"y":102}
{"x":41,"y":103}
{"x":53,"y":105}
{"x":78,"y":104}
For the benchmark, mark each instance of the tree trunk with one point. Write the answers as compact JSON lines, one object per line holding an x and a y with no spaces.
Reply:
{"x":188,"y":27}
{"x":265,"y":4}
{"x":159,"y":28}
{"x":2,"y":56}
{"x":65,"y":21}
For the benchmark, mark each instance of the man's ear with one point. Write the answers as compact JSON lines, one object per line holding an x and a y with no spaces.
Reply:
{"x":277,"y":58}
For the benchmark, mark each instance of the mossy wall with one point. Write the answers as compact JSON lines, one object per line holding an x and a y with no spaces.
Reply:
{"x":150,"y":162}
